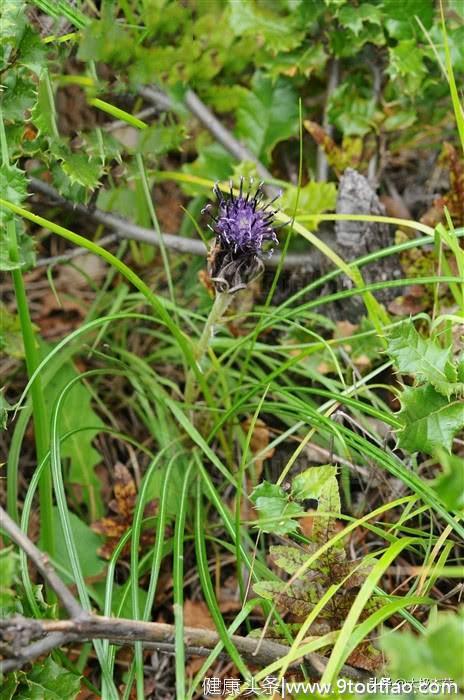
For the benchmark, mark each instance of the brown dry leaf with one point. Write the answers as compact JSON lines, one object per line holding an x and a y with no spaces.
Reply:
{"x":121,"y":509}
{"x":367,"y":657}
{"x":414,"y":301}
{"x":196,"y":614}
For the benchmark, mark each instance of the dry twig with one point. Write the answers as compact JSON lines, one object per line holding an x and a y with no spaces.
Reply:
{"x":24,"y":639}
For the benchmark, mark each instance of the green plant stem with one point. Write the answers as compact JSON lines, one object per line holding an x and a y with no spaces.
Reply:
{"x":32,"y":362}
{"x":221,"y":302}
{"x":38,"y":401}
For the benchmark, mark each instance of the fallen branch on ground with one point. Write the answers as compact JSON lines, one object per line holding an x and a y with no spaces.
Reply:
{"x":24,"y":639}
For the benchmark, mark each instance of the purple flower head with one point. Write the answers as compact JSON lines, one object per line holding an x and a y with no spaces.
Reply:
{"x":242,"y":227}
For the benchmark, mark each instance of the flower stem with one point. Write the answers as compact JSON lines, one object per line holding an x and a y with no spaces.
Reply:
{"x":221,"y":302}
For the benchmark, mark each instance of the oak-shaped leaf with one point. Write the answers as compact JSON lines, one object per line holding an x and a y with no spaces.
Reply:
{"x":290,"y":559}
{"x":296,"y":599}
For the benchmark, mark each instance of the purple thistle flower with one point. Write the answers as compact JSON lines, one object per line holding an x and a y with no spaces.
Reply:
{"x":242,"y":227}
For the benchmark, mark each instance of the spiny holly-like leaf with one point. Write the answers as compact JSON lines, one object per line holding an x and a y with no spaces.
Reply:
{"x":429,"y":419}
{"x":13,"y":184}
{"x":12,"y":24}
{"x":268,"y":113}
{"x":276,"y":511}
{"x":82,"y":169}
{"x":19,"y":95}
{"x":296,"y":600}
{"x":310,"y":483}
{"x":407,"y":65}
{"x":41,"y":115}
{"x":422,"y":357}
{"x":352,"y":107}
{"x":32,"y":51}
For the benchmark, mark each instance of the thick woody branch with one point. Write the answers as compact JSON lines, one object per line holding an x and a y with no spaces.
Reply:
{"x":153,"y":635}
{"x":23,"y":639}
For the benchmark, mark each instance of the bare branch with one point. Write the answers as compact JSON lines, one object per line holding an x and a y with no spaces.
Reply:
{"x":322,"y":162}
{"x":153,"y":635}
{"x":24,"y":639}
{"x":42,"y":563}
{"x":214,"y":126}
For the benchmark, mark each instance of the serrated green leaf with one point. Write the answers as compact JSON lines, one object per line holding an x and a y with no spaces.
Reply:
{"x":19,"y":95}
{"x":290,"y":559}
{"x":48,"y":681}
{"x":41,"y":115}
{"x":353,"y":17}
{"x":423,"y":357}
{"x":311,"y":482}
{"x":436,"y":654}
{"x":13,"y":184}
{"x":13,"y":22}
{"x":268,"y":113}
{"x":32,"y":52}
{"x":280,"y":32}
{"x":275,"y":510}
{"x":429,"y":419}
{"x":158,"y":140}
{"x":407,"y":64}
{"x":352,"y":107}
{"x":83,"y":170}
{"x":400,"y":17}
